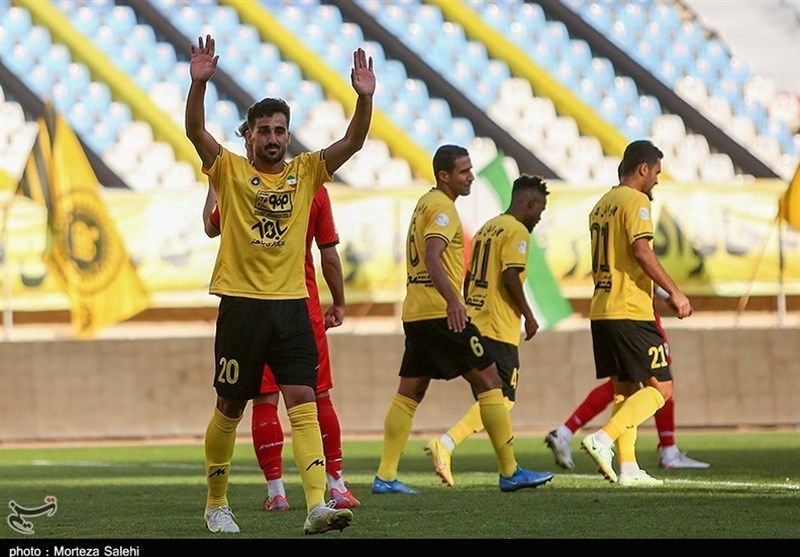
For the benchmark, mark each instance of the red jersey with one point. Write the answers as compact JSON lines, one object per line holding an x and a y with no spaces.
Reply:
{"x":321,"y":229}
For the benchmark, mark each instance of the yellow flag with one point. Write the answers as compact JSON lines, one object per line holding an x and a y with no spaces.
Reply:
{"x":790,"y":202}
{"x":84,"y":250}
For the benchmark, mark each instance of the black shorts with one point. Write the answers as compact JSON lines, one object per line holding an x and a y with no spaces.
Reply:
{"x":251,"y":333}
{"x":630,"y":350}
{"x":433,"y":350}
{"x":506,"y":357}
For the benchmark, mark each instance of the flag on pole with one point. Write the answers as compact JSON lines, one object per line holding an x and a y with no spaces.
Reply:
{"x":84,"y":251}
{"x":548,"y":304}
{"x":789,"y":208}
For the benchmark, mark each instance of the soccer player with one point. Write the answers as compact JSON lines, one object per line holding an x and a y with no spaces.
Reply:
{"x":267,"y":431}
{"x":441,"y":342}
{"x":260,"y":279}
{"x":599,"y":398}
{"x":496,"y":302}
{"x":626,"y":343}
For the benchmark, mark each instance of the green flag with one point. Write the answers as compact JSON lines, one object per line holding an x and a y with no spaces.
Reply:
{"x":544,"y":295}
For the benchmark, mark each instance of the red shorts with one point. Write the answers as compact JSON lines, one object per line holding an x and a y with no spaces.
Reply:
{"x":324,"y":380}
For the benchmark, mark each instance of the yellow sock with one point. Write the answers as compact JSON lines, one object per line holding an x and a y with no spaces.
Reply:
{"x":467,"y":425}
{"x":496,"y":419}
{"x":626,"y":443}
{"x":470,"y":423}
{"x":308,"y":453}
{"x":396,"y":429}
{"x":637,"y":408}
{"x":219,"y":442}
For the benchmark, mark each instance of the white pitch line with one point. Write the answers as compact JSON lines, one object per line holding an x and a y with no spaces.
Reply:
{"x":247,"y":468}
{"x":700,"y":483}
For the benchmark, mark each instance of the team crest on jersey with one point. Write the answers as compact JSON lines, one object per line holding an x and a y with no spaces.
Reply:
{"x":644,"y":214}
{"x":274,"y":204}
{"x":255,"y":181}
{"x":523,"y":246}
{"x":291,"y":181}
{"x":442,"y":219}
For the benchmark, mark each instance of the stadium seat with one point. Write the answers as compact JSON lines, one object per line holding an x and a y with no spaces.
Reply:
{"x":692,"y":90}
{"x":396,"y":172}
{"x":100,"y":138}
{"x":178,"y":176}
{"x":668,"y":131}
{"x":120,"y":19}
{"x":17,"y":21}
{"x":328,"y":17}
{"x":561,"y":132}
{"x":37,"y":41}
{"x":40,"y":80}
{"x":718,"y":168}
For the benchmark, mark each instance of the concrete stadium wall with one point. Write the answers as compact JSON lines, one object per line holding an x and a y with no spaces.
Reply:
{"x":159,"y":385}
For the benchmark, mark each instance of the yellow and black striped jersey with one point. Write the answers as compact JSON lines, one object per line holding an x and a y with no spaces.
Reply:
{"x":434,"y":216}
{"x":622,"y":290}
{"x":500,"y":244}
{"x":264,"y":218}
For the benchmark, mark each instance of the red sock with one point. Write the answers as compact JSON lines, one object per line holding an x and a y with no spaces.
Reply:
{"x":268,"y":440}
{"x":595,"y":403}
{"x":665,"y":424}
{"x":331,"y":436}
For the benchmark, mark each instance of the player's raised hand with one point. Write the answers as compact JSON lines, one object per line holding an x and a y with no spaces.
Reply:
{"x":361,"y":75}
{"x":204,"y":62}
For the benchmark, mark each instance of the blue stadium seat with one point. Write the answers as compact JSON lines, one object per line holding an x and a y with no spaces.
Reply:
{"x":349,"y":37}
{"x":328,"y":17}
{"x":80,"y":118}
{"x":17,"y":21}
{"x":224,"y":19}
{"x":188,"y":21}
{"x":86,"y":20}
{"x":117,"y":116}
{"x":266,"y":57}
{"x":97,"y":97}
{"x":100,"y":138}
{"x":62,"y":97}
{"x":308,"y":94}
{"x":164,"y":58}
{"x":632,"y":17}
{"x":140,"y":34}
{"x":461,"y":131}
{"x":393,"y":74}
{"x":40,"y":80}
{"x":598,"y":15}
{"x":57,"y":60}
{"x":475,"y":56}
{"x":77,"y":79}
{"x":120,"y":19}
{"x":37,"y":41}
{"x":145,"y":77}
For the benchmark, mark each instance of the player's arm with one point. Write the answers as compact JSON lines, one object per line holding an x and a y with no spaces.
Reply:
{"x":363,"y":80}
{"x":456,"y":311}
{"x":332,"y":272}
{"x":513,"y":285}
{"x":211,"y":213}
{"x":652,"y":267}
{"x":202,"y":67}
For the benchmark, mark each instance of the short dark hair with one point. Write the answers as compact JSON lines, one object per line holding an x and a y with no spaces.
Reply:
{"x":242,"y":129}
{"x":445,"y":157}
{"x":268,"y":107}
{"x":639,"y":152}
{"x":528,"y":182}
